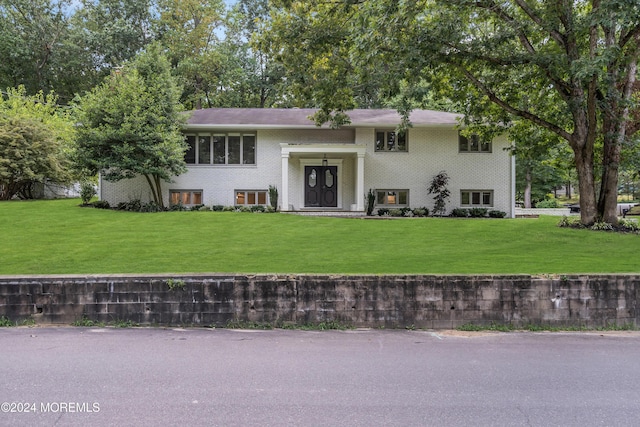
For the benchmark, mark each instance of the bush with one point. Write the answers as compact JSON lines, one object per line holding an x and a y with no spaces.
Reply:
{"x":87,"y":191}
{"x":497,"y":214}
{"x":370,"y":197}
{"x":548,"y":204}
{"x":478,"y":212}
{"x":196,"y":207}
{"x":178,"y":207}
{"x":131,"y":206}
{"x":258,"y":208}
{"x":383,"y":212}
{"x":204,"y":208}
{"x":217,"y":208}
{"x":628,"y":225}
{"x":420,"y":212}
{"x":228,"y":209}
{"x":101,"y":204}
{"x":570,"y":222}
{"x":396,"y":212}
{"x":460,"y":213}
{"x":602,"y":226}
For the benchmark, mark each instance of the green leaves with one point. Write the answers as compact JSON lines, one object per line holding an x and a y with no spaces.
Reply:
{"x":131,"y":124}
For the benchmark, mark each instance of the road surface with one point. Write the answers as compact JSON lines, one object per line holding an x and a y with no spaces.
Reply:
{"x":68,"y":376}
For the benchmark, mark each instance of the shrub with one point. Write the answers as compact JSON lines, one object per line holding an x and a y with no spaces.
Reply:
{"x":497,"y":214}
{"x":628,"y":225}
{"x":217,"y":208}
{"x":370,"y":197}
{"x":548,"y":204}
{"x":258,"y":208}
{"x":151,"y":207}
{"x":396,"y":212}
{"x":420,"y":211}
{"x":439,"y":188}
{"x":478,"y":212}
{"x":273,"y":197}
{"x":228,"y":209}
{"x":383,"y":212}
{"x":131,"y":206}
{"x":570,"y":222}
{"x":101,"y":204}
{"x":196,"y":207}
{"x":87,"y":191}
{"x":178,"y":207}
{"x":460,"y":213}
{"x":602,"y":226}
{"x":204,"y":208}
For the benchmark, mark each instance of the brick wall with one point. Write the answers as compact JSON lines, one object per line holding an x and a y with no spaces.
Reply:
{"x":370,"y":301}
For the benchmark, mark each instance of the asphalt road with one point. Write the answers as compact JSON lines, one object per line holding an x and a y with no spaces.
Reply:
{"x":200,"y":377}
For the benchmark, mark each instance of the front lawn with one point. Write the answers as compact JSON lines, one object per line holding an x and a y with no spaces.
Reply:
{"x":58,"y":237}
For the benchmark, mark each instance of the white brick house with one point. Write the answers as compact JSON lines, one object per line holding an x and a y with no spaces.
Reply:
{"x":236,"y":154}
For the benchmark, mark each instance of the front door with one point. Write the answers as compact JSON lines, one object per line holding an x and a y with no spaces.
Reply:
{"x":321,"y":186}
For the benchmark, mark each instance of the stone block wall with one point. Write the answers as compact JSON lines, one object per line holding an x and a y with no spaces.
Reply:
{"x":422,"y":301}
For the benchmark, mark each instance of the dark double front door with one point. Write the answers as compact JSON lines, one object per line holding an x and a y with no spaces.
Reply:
{"x":321,"y":186}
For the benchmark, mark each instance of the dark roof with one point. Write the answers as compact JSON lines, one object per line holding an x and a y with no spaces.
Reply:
{"x":299,"y":117}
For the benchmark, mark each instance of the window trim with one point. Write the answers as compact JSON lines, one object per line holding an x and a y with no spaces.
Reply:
{"x":386,"y":132}
{"x":184,"y":191}
{"x":211,"y":136}
{"x":246,"y":198}
{"x":481,"y":194}
{"x":468,"y":140}
{"x":391,"y":190}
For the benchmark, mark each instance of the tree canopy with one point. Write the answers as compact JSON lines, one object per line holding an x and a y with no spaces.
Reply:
{"x":568,"y":67}
{"x":35,"y":142}
{"x":131,"y":124}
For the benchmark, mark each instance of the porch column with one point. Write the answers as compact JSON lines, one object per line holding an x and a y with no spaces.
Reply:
{"x":284,"y":190}
{"x":360,"y":182}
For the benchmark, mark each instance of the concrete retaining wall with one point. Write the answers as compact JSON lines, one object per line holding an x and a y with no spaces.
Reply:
{"x":368,"y":301}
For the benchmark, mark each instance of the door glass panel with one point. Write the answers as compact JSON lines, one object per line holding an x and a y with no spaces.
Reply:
{"x":313,"y":178}
{"x":328,"y":178}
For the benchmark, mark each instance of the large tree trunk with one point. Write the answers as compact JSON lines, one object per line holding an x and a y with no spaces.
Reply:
{"x":586,"y":185}
{"x":608,"y":198}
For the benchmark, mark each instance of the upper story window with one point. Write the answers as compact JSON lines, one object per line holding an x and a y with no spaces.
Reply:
{"x":390,"y":140}
{"x":473,"y":144}
{"x":221,"y":149}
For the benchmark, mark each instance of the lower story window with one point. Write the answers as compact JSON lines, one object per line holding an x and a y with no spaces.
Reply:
{"x":392,"y":197}
{"x":185,"y":197}
{"x":476,"y":198}
{"x":251,"y":197}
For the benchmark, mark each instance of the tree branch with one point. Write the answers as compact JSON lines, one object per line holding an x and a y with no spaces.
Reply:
{"x":511,"y":109}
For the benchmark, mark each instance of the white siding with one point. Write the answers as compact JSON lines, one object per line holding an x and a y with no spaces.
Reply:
{"x":430,"y":150}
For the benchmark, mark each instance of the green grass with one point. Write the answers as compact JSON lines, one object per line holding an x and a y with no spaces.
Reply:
{"x":58,"y":237}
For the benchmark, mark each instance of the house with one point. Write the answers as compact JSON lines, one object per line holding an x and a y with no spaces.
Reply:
{"x":235,"y":154}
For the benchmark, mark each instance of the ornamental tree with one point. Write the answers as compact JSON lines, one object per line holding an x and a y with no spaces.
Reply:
{"x":131,"y":124}
{"x":35,"y":142}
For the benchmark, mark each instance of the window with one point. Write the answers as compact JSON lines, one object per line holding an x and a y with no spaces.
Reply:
{"x":390,"y":140}
{"x":476,"y":198}
{"x":392,"y":197}
{"x":473,"y":144}
{"x":251,"y":197}
{"x":185,"y":197}
{"x":221,"y":149}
